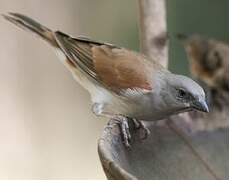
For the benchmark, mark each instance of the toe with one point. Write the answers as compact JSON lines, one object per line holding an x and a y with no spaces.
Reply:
{"x":125,"y":132}
{"x":146,"y":133}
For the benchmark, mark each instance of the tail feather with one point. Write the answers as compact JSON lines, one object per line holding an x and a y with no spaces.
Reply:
{"x":31,"y":25}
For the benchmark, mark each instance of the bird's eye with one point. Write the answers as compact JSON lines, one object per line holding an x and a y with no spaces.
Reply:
{"x":181,"y":93}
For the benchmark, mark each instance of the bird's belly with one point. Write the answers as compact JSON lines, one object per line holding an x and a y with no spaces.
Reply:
{"x":140,"y":110}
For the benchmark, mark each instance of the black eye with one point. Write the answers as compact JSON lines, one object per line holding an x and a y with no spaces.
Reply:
{"x":181,"y":93}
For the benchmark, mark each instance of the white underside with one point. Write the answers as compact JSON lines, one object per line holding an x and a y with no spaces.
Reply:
{"x":98,"y":94}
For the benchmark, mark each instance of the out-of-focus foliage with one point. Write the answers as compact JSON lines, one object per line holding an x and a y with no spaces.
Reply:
{"x":205,"y":17}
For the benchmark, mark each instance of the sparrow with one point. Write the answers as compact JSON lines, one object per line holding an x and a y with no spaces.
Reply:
{"x":208,"y":62}
{"x":123,"y":84}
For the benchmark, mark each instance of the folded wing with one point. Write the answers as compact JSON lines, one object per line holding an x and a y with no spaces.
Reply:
{"x":106,"y":65}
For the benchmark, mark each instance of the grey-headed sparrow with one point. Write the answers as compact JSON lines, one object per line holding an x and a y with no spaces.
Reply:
{"x":122,"y":83}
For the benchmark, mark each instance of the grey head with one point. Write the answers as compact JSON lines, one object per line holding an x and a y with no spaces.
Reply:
{"x":184,"y":94}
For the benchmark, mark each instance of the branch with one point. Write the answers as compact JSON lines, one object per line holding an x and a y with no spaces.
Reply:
{"x":153,"y":29}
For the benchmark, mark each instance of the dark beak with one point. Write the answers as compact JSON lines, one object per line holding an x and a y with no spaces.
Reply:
{"x":200,"y":106}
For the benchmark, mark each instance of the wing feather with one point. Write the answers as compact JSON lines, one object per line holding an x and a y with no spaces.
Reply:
{"x":115,"y":68}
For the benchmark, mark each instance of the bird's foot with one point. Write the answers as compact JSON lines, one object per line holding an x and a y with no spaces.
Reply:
{"x":122,"y":121}
{"x":144,"y":131}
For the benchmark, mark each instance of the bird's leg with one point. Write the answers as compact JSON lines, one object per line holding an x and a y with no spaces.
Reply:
{"x":140,"y":125}
{"x":122,"y":121}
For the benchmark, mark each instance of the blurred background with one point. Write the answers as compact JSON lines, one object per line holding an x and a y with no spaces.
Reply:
{"x":47,"y":130}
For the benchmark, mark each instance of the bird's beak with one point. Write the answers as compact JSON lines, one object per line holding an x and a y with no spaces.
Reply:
{"x":200,"y":105}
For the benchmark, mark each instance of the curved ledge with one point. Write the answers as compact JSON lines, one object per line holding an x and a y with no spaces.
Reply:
{"x":165,"y":154}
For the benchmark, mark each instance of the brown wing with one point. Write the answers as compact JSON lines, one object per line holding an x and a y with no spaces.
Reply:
{"x":121,"y":69}
{"x":107,"y":65}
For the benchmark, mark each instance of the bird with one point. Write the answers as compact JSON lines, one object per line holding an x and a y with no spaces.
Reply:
{"x":209,"y":59}
{"x":123,"y":84}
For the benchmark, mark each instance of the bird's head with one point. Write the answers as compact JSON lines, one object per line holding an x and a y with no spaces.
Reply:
{"x":182,"y":94}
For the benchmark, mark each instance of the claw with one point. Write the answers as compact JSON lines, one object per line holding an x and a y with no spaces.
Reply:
{"x":123,"y":123}
{"x":144,"y":130}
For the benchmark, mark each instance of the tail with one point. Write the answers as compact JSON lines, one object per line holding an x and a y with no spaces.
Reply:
{"x":31,"y":25}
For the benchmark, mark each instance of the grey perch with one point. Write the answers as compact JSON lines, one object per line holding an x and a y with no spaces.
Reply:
{"x":165,"y":155}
